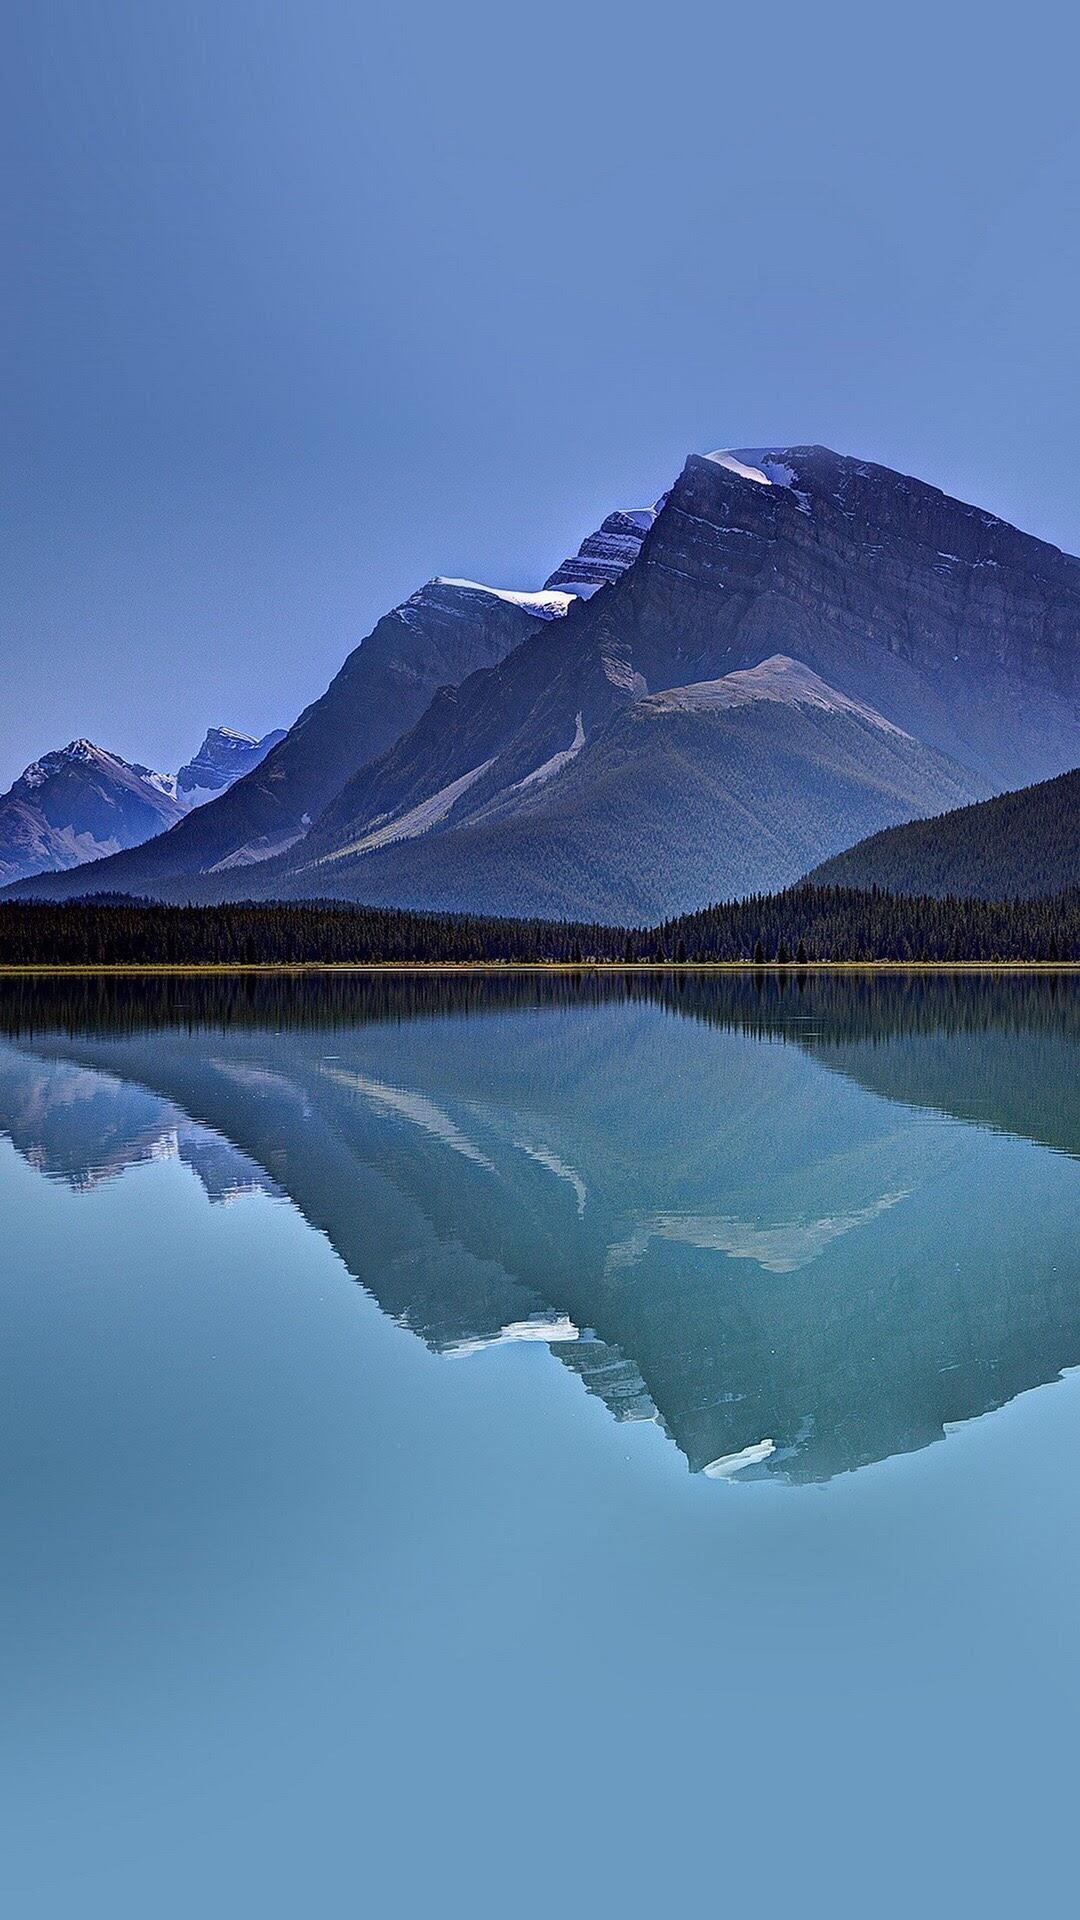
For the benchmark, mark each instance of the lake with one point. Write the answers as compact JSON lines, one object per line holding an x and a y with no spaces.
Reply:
{"x":506,"y":1445}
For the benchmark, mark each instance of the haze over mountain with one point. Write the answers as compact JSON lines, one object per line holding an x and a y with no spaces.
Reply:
{"x":1018,"y":845}
{"x":224,"y":756}
{"x":81,"y":803}
{"x":553,"y":778}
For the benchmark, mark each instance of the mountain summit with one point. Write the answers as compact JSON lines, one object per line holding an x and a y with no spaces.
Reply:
{"x":78,"y":804}
{"x":792,"y":649}
{"x":224,"y":756}
{"x":81,"y":804}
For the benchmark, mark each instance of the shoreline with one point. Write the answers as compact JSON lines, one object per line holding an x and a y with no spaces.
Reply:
{"x":12,"y":970}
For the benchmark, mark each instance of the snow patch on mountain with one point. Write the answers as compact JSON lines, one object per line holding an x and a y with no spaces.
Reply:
{"x":731,"y":1463}
{"x":548,"y":603}
{"x":765,"y":466}
{"x":558,"y":1331}
{"x":734,"y":465}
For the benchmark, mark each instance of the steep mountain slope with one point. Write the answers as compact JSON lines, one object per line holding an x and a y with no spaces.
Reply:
{"x":847,"y":567}
{"x":683,"y":797}
{"x":77,"y":804}
{"x":82,"y":804}
{"x":224,"y":756}
{"x":606,"y":553}
{"x":444,"y":631}
{"x":950,"y":625}
{"x":1019,"y":845}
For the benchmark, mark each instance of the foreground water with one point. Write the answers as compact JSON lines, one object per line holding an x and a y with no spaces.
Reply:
{"x":678,"y":1514}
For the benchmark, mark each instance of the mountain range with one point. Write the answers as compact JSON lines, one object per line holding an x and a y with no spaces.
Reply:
{"x":791,"y":651}
{"x":81,"y":803}
{"x":446,"y":630}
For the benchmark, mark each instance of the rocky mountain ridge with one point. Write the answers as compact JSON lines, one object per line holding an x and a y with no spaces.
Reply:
{"x":80,"y":804}
{"x":224,"y":756}
{"x":953,"y":629}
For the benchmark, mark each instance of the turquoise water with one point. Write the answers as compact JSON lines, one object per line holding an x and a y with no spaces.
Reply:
{"x":496,"y":1448}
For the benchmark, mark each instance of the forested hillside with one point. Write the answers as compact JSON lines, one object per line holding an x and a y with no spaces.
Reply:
{"x":799,"y":926}
{"x":1017,"y":846}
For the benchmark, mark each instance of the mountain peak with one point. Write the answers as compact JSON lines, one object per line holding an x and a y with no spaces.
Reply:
{"x":548,"y":603}
{"x":230,"y":734}
{"x":766,"y":467}
{"x":605,"y":554}
{"x":223,"y":757}
{"x":780,"y":678}
{"x":81,"y":752}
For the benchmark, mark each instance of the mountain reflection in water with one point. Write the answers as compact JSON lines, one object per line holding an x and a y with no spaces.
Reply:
{"x":804,"y":1224}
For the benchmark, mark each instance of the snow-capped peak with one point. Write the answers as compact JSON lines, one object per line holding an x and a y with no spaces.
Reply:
{"x":80,"y":751}
{"x":765,"y":466}
{"x":231,"y":733}
{"x":735,"y":464}
{"x":548,"y":601}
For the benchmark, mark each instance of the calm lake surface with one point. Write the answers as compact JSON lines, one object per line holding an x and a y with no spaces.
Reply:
{"x":507,"y":1447}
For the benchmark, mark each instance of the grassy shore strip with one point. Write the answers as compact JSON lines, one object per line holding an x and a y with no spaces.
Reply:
{"x":136,"y":970}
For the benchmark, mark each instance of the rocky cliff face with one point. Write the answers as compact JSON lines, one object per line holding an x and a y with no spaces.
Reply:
{"x":465,"y":703}
{"x":606,"y":553}
{"x":958,"y":627}
{"x":224,"y":756}
{"x":951,"y":625}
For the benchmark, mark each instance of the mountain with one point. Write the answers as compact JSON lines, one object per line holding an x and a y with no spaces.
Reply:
{"x":81,"y":804}
{"x":1016,"y":846}
{"x":606,"y":553}
{"x":441,"y":633}
{"x":681,"y":797}
{"x":78,"y":804}
{"x":948,"y":625}
{"x":224,"y":756}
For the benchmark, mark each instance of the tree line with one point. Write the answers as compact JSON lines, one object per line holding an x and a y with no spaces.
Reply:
{"x":798,"y":927}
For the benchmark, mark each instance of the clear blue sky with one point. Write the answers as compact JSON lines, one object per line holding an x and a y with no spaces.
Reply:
{"x":307,"y":301}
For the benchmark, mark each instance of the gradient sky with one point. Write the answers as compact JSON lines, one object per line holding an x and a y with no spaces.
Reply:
{"x":307,"y":300}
